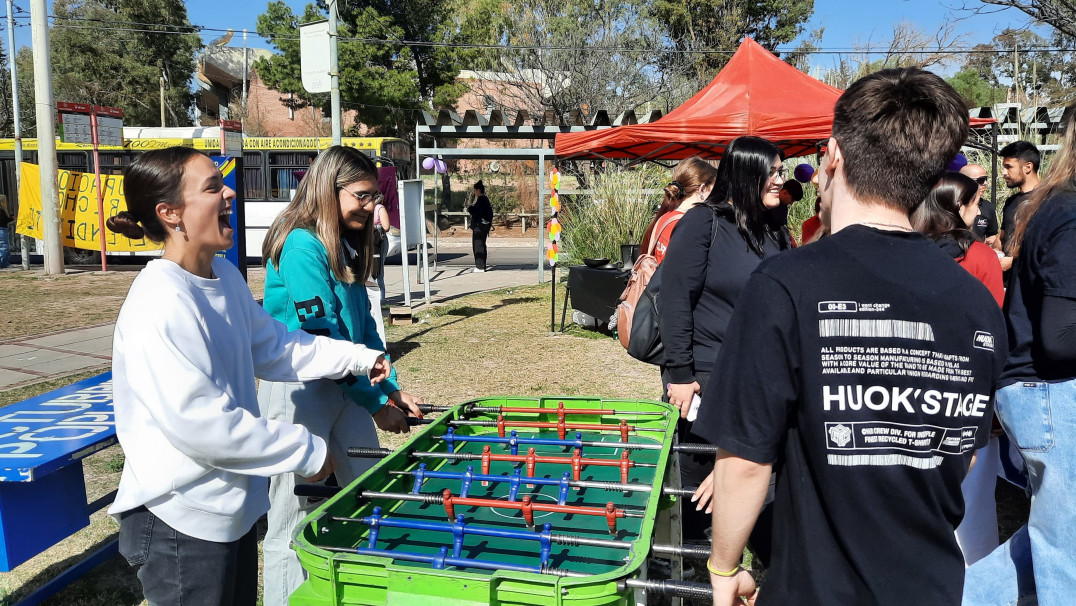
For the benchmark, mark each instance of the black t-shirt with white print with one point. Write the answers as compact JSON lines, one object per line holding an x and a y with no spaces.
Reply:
{"x":862,"y":365}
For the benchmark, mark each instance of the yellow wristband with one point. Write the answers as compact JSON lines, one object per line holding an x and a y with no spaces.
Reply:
{"x":719,"y":573}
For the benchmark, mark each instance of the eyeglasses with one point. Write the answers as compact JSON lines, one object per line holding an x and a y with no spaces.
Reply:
{"x":982,"y":180}
{"x":782,"y":171}
{"x":366,"y":197}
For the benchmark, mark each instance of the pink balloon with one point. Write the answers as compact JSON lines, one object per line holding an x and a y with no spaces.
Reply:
{"x":428,"y":162}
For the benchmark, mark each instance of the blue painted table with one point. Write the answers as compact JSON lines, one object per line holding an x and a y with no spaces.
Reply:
{"x":42,"y":443}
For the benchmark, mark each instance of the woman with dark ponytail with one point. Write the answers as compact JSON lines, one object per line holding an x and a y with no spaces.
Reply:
{"x":481,"y":222}
{"x":714,"y":249}
{"x":189,"y":342}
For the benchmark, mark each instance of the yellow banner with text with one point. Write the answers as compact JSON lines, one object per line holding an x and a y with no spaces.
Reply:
{"x":79,"y":225}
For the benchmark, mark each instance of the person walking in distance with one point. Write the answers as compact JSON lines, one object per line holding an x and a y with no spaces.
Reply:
{"x":481,"y":222}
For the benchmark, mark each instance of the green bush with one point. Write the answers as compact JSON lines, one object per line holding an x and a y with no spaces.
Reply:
{"x":617,"y":212}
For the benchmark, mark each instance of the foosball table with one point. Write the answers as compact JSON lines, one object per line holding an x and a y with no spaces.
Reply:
{"x":528,"y":501}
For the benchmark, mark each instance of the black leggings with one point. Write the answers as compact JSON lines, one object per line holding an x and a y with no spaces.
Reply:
{"x":479,"y":233}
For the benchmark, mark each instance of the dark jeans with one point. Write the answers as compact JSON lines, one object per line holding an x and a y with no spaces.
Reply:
{"x":693,"y":470}
{"x":176,"y":569}
{"x":479,"y":233}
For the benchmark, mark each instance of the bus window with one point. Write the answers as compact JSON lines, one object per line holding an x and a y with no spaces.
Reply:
{"x":113,"y":163}
{"x":253,"y":176}
{"x":76,"y":161}
{"x":282,"y":167}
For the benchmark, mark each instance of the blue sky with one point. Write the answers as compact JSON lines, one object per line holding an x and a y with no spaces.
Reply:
{"x":847,"y":22}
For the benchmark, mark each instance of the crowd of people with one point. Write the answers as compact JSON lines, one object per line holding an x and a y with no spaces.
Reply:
{"x":850,"y":384}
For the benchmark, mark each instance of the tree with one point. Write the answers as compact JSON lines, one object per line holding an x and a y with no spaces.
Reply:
{"x":703,"y":34}
{"x":1059,"y":14}
{"x":1011,"y":61}
{"x":976,"y":90}
{"x":908,"y":47}
{"x":98,"y":58}
{"x":571,"y":55}
{"x":391,"y":59}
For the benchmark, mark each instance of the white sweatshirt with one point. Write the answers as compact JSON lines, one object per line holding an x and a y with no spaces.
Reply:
{"x":185,"y":354}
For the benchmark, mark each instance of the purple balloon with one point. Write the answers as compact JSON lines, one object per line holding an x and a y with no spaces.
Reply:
{"x":441,"y":166}
{"x":803,"y":173}
{"x":428,"y":162}
{"x":957,"y":163}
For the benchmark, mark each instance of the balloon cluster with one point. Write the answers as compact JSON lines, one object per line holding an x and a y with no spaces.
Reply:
{"x":554,"y":225}
{"x":431,"y":163}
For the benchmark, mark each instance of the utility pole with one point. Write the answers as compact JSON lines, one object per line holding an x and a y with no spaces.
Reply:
{"x":246,"y":73}
{"x":17,"y":123}
{"x":334,"y":73}
{"x":45,"y":108}
{"x":162,"y":99}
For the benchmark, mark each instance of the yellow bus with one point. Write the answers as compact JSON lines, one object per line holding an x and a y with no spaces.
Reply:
{"x":270,"y":165}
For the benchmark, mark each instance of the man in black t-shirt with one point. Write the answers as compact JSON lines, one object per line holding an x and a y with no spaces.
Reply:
{"x":986,"y":223}
{"x":1020,"y":169}
{"x":862,"y":368}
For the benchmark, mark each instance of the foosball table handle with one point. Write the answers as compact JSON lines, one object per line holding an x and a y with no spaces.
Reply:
{"x":316,"y":490}
{"x":368,"y":453}
{"x":680,"y":589}
{"x":687,"y":550}
{"x":696,"y":448}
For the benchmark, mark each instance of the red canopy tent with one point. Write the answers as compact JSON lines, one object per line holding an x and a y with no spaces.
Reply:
{"x":755,"y":94}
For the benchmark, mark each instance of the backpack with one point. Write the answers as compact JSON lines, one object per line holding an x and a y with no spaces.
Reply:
{"x":637,"y":310}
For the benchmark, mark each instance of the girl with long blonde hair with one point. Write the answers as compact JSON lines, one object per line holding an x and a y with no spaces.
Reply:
{"x":319,"y":254}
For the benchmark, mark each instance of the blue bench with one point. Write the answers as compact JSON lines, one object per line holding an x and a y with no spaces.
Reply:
{"x":42,"y":488}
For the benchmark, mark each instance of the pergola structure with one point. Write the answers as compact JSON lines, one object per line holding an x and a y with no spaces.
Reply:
{"x":539,"y":129}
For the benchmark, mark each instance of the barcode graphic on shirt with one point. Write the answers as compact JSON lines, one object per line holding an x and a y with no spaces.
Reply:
{"x":854,"y":327}
{"x":879,"y":460}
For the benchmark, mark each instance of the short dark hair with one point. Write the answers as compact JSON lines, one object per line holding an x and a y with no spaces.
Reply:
{"x":480,"y":186}
{"x":1023,"y":151}
{"x":794,"y":189}
{"x":154,"y":177}
{"x":898,"y":129}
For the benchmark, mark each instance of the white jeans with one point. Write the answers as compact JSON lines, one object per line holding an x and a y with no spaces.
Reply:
{"x":321,"y":407}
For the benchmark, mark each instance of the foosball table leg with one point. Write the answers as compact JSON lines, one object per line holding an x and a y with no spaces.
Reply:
{"x":668,"y":528}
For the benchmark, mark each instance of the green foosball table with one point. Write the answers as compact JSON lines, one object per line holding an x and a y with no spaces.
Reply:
{"x":522,"y":501}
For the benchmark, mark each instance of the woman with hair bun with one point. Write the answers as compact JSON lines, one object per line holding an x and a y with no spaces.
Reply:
{"x":692,"y":180}
{"x":189,"y":342}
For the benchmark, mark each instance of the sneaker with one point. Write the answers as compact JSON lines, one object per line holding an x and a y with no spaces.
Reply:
{"x":478,"y":271}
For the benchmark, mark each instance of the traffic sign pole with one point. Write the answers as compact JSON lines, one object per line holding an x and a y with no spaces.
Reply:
{"x":100,"y":193}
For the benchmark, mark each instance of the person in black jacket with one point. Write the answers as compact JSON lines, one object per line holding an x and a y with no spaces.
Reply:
{"x":481,"y":221}
{"x":713,"y":250}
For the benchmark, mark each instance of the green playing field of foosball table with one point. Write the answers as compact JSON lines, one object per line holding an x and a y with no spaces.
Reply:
{"x":498,"y":501}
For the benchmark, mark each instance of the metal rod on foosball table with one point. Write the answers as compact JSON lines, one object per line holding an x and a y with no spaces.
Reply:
{"x":441,"y":560}
{"x":680,"y":589}
{"x":559,"y":538}
{"x":562,"y":427}
{"x":470,"y":409}
{"x":610,"y":512}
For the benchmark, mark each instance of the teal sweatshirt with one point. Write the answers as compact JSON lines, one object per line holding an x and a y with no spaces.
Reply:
{"x":304,"y":294}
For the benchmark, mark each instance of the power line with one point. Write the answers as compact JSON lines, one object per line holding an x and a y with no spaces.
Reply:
{"x":198,"y":29}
